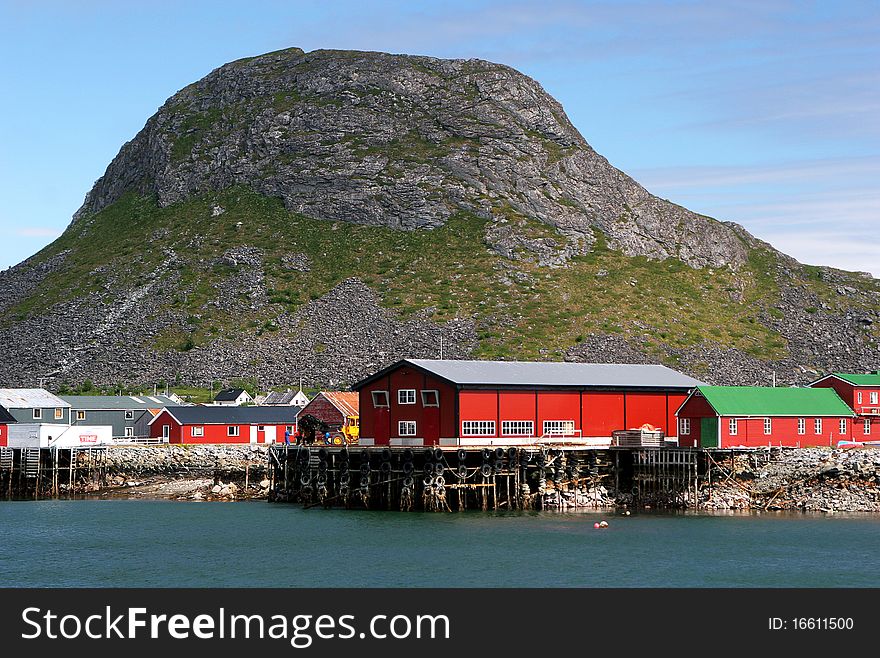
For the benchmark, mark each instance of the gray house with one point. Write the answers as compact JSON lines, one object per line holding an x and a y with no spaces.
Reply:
{"x":128,"y":415}
{"x":34,"y":405}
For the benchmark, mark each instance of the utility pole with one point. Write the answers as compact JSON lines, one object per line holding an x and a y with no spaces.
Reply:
{"x":774,"y":379}
{"x":441,"y":347}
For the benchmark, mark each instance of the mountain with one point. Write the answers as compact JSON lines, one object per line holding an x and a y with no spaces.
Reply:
{"x":321,"y":214}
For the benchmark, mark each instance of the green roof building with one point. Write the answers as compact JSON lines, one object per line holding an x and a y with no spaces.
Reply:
{"x":756,"y":416}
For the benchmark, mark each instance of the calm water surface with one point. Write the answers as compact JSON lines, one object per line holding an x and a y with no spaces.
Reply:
{"x":126,"y":543}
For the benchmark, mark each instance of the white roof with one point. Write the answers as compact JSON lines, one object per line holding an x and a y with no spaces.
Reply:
{"x":556,"y":373}
{"x":29,"y":398}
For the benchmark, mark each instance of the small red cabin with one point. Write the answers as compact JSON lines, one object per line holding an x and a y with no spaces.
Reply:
{"x":733,"y":416}
{"x":435,"y":402}
{"x":333,"y":408}
{"x":224,"y":424}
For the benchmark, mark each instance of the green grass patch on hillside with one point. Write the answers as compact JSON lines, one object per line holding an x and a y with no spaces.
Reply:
{"x":522,"y":310}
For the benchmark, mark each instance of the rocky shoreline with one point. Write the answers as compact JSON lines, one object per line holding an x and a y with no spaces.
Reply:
{"x":209,"y":472}
{"x":783,"y":479}
{"x":797,"y":479}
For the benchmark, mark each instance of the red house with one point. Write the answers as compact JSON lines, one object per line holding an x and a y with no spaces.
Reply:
{"x":433,"y":402}
{"x":862,"y":394}
{"x":226,"y":424}
{"x":733,"y":416}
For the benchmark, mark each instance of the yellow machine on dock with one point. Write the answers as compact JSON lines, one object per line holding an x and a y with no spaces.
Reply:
{"x":348,"y":434}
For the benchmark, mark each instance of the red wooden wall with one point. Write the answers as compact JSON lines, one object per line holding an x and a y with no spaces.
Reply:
{"x":432,"y":423}
{"x":845,"y":390}
{"x":3,"y":433}
{"x":322,"y":409}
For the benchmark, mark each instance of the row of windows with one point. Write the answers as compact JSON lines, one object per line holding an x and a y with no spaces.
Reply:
{"x":873,"y":395}
{"x":487,"y":427}
{"x":684,"y":426}
{"x":231,"y":430}
{"x":515,"y":427}
{"x":430,"y":397}
{"x":81,"y":415}
{"x":38,"y":414}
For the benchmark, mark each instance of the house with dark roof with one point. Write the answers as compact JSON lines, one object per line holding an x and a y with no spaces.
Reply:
{"x":224,"y":424}
{"x":448,"y":402}
{"x":233,"y":397}
{"x":862,"y":393}
{"x":759,"y":416}
{"x":128,"y":415}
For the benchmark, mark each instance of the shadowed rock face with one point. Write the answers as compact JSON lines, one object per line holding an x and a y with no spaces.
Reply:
{"x":403,"y":141}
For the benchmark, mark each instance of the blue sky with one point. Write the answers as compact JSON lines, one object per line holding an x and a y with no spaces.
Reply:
{"x":765,"y":113}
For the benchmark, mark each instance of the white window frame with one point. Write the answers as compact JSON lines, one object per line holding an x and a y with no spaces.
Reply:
{"x":842,"y":426}
{"x":197,"y":431}
{"x":261,"y":428}
{"x":478,"y":428}
{"x":426,"y":393}
{"x":129,"y":414}
{"x":38,"y":414}
{"x":80,"y":414}
{"x":376,"y":395}
{"x":129,"y":432}
{"x":59,"y":413}
{"x":289,"y":429}
{"x":684,"y":426}
{"x":517,"y":428}
{"x":406,"y":428}
{"x":232,"y":430}
{"x":732,"y":426}
{"x":817,"y":425}
{"x":768,"y":426}
{"x":406,"y":396}
{"x":166,"y":432}
{"x":873,"y":396}
{"x":867,"y":426}
{"x":558,"y":427}
{"x":802,"y":425}
{"x":858,"y":397}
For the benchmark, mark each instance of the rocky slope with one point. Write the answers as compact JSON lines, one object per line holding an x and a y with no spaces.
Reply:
{"x":321,"y":214}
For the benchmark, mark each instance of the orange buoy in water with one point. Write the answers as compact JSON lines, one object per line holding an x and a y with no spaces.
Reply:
{"x":596,"y":525}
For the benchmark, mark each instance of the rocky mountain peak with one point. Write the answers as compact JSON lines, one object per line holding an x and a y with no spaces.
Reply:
{"x":406,"y":142}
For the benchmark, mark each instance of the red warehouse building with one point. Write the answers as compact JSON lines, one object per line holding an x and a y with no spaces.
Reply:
{"x":434,"y":402}
{"x":862,"y":394}
{"x":227,"y":424}
{"x":733,"y":416}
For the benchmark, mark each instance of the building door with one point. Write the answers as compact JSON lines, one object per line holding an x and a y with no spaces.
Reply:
{"x":166,"y":433}
{"x":709,"y":432}
{"x":270,"y":434}
{"x":381,"y":426}
{"x":431,"y":425}
{"x":253,"y":433}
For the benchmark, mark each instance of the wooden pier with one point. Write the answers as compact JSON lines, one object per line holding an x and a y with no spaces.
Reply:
{"x":33,"y":473}
{"x":494,"y":478}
